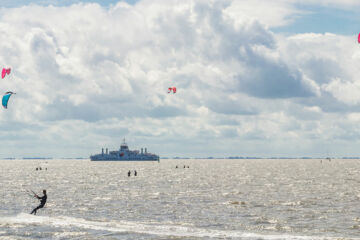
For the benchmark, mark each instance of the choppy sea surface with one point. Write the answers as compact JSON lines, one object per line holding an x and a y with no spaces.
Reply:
{"x":212,"y":199}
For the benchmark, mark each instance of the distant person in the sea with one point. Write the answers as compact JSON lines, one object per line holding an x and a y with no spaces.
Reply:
{"x":129,"y":173}
{"x":184,"y":166}
{"x":135,"y":173}
{"x":176,"y":166}
{"x":42,"y":202}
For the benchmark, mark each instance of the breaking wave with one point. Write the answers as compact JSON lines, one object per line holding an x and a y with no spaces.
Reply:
{"x":157,"y":229}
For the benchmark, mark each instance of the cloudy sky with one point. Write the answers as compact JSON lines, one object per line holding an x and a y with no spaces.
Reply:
{"x":253,"y":77}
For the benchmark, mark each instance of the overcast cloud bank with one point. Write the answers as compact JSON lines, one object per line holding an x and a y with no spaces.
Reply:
{"x":86,"y":76}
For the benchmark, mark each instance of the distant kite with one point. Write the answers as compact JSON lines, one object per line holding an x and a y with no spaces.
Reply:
{"x":173,"y":89}
{"x":5,"y":71}
{"x":6,"y":98}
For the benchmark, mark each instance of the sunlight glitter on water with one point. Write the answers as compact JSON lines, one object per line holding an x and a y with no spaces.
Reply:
{"x":217,"y":199}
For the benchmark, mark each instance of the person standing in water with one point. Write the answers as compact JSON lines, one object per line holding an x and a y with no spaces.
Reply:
{"x":42,"y":202}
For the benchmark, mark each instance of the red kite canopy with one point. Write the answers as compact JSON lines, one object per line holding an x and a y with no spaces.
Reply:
{"x":5,"y":71}
{"x":173,"y":89}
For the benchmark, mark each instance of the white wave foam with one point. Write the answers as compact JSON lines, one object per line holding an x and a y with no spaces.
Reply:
{"x":152,"y":229}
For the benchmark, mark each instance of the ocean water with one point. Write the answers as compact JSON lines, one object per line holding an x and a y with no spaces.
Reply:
{"x":212,"y":199}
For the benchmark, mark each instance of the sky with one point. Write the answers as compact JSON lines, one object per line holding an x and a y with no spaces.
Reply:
{"x":254,"y":77}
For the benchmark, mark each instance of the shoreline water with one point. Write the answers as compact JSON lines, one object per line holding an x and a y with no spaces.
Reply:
{"x":213,"y":199}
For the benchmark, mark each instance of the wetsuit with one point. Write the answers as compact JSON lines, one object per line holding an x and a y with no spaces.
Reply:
{"x":42,"y":203}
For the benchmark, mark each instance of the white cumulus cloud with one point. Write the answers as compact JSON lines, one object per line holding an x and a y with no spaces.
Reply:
{"x":87,"y":75}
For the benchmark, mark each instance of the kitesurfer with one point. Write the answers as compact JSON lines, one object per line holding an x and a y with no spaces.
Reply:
{"x":129,"y":173}
{"x":42,"y":202}
{"x":135,"y":173}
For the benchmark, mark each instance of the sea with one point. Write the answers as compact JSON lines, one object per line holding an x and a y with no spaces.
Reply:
{"x":297,"y":199}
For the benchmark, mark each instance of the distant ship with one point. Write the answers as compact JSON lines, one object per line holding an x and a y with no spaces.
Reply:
{"x":124,"y":154}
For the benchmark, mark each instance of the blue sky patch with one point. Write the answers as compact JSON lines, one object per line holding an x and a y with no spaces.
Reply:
{"x":323,"y":20}
{"x":18,"y":3}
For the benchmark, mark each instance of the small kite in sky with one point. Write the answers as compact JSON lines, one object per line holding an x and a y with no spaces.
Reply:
{"x":6,"y":98}
{"x":173,"y":89}
{"x":5,"y":71}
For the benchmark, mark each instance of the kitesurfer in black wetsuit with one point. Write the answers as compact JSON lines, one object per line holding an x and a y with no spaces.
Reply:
{"x":42,"y":202}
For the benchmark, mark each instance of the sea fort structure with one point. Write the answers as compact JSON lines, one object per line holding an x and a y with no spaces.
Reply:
{"x":124,"y":154}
